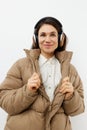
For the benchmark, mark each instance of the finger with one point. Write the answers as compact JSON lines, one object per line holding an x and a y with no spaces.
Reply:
{"x":66,"y":87}
{"x":65,"y":90}
{"x":35,"y":76}
{"x":37,"y":81}
{"x":34,"y":82}
{"x":66,"y":79}
{"x":34,"y":86}
{"x":65,"y":84}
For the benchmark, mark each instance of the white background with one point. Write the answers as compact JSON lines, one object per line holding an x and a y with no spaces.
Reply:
{"x":17,"y":20}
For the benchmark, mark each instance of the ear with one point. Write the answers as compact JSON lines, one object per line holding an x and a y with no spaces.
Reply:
{"x":62,"y":39}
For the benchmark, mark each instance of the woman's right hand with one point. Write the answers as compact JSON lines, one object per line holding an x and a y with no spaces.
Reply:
{"x":33,"y":82}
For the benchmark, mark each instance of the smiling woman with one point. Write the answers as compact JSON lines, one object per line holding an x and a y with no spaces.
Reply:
{"x":43,"y":89}
{"x":48,"y":40}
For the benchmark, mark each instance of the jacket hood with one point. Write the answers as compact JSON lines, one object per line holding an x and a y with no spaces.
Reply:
{"x":61,"y":56}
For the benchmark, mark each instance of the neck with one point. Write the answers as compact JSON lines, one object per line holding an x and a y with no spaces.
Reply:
{"x":47,"y":56}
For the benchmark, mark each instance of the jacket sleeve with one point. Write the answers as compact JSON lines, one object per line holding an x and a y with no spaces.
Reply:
{"x":13,"y":95}
{"x":75,"y":105}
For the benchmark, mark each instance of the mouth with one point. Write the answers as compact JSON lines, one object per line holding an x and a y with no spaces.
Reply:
{"x":47,"y":45}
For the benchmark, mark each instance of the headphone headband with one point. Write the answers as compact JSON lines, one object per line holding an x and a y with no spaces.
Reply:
{"x":48,"y":20}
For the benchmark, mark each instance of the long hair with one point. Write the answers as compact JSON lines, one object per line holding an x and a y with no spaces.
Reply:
{"x":55,"y":23}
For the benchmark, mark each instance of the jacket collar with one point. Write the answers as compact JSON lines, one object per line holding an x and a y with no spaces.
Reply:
{"x":32,"y":53}
{"x":61,"y":56}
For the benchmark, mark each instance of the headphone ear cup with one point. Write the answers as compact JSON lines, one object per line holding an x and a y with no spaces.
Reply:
{"x":62,"y":39}
{"x":34,"y":37}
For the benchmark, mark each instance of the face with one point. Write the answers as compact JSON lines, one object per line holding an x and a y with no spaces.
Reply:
{"x":48,"y":40}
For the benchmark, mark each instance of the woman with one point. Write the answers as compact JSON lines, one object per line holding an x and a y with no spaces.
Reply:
{"x":42,"y":90}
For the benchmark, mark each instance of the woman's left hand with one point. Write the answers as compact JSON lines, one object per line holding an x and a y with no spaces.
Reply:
{"x":67,"y":88}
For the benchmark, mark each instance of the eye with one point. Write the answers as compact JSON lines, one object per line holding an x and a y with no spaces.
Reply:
{"x":53,"y":35}
{"x":42,"y":35}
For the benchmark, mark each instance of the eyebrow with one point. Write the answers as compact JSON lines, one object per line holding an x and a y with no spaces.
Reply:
{"x":48,"y":32}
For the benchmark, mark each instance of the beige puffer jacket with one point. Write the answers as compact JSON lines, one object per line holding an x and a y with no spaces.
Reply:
{"x":34,"y":111}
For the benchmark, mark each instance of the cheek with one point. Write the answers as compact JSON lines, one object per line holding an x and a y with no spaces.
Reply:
{"x":40,"y":45}
{"x":55,"y":41}
{"x":56,"y":44}
{"x":40,"y":42}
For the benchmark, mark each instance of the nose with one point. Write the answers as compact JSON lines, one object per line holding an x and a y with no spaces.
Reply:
{"x":47,"y":38}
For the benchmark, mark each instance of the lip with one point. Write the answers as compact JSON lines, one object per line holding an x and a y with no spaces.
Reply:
{"x":47,"y":45}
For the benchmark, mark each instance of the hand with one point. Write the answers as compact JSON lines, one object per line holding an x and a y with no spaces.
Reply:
{"x":33,"y":82}
{"x":67,"y":88}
